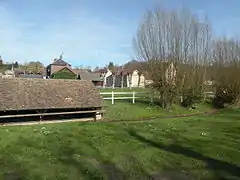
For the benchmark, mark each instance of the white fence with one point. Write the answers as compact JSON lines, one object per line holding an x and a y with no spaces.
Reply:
{"x":114,"y":97}
{"x":132,"y":95}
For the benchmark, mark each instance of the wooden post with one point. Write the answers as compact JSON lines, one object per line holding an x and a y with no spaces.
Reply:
{"x":133,"y":100}
{"x":112,"y":97}
{"x":98,"y":116}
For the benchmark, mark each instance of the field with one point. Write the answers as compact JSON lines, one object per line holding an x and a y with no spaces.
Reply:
{"x":124,"y":110}
{"x":143,"y":108}
{"x":199,"y":147}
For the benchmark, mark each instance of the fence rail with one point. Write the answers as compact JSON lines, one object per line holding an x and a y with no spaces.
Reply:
{"x":113,"y":97}
{"x":133,"y":95}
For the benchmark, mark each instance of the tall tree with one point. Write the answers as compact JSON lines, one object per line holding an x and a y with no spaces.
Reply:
{"x":226,"y":71}
{"x":175,"y":46}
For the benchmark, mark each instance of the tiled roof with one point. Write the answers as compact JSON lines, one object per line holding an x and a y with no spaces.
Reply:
{"x":85,"y":75}
{"x":90,"y":76}
{"x":60,"y":62}
{"x":30,"y":94}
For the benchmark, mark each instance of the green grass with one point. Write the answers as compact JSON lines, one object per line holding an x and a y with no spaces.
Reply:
{"x":203,"y":147}
{"x":142,"y":109}
{"x":125,"y":110}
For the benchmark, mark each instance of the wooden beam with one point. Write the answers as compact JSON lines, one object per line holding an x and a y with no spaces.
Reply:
{"x":47,"y":122}
{"x":51,"y":114}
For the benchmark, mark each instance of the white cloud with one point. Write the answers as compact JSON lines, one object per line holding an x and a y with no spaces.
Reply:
{"x":80,"y":36}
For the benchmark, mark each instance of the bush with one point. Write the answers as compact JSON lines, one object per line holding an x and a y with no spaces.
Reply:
{"x":225,"y":95}
{"x":192,"y":96}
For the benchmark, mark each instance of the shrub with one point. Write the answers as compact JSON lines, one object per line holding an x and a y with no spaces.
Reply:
{"x":191,"y":96}
{"x":226,"y":95}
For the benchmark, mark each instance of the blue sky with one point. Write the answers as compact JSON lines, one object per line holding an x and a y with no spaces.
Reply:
{"x":92,"y":32}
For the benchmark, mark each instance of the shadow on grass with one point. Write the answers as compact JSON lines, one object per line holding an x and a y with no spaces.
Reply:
{"x":13,"y":170}
{"x":82,"y":159}
{"x":88,"y":166}
{"x":97,"y":166}
{"x":215,"y":165}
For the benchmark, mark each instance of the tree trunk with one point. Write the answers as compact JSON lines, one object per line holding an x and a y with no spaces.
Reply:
{"x":139,"y":79}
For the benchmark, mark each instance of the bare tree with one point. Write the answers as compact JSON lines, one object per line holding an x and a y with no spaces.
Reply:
{"x":226,"y":71}
{"x":175,"y":45}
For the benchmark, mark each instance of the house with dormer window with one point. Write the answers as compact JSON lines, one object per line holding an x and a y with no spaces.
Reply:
{"x":60,"y":69}
{"x":59,"y":66}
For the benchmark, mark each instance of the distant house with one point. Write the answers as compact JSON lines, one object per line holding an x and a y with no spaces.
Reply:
{"x":137,"y":79}
{"x":60,"y":69}
{"x":124,"y":79}
{"x":135,"y":74}
{"x":117,"y":78}
{"x":129,"y":75}
{"x":95,"y":77}
{"x":59,"y":66}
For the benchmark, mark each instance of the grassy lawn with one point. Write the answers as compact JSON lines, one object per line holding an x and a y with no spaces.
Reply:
{"x":203,"y":147}
{"x":125,"y":110}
